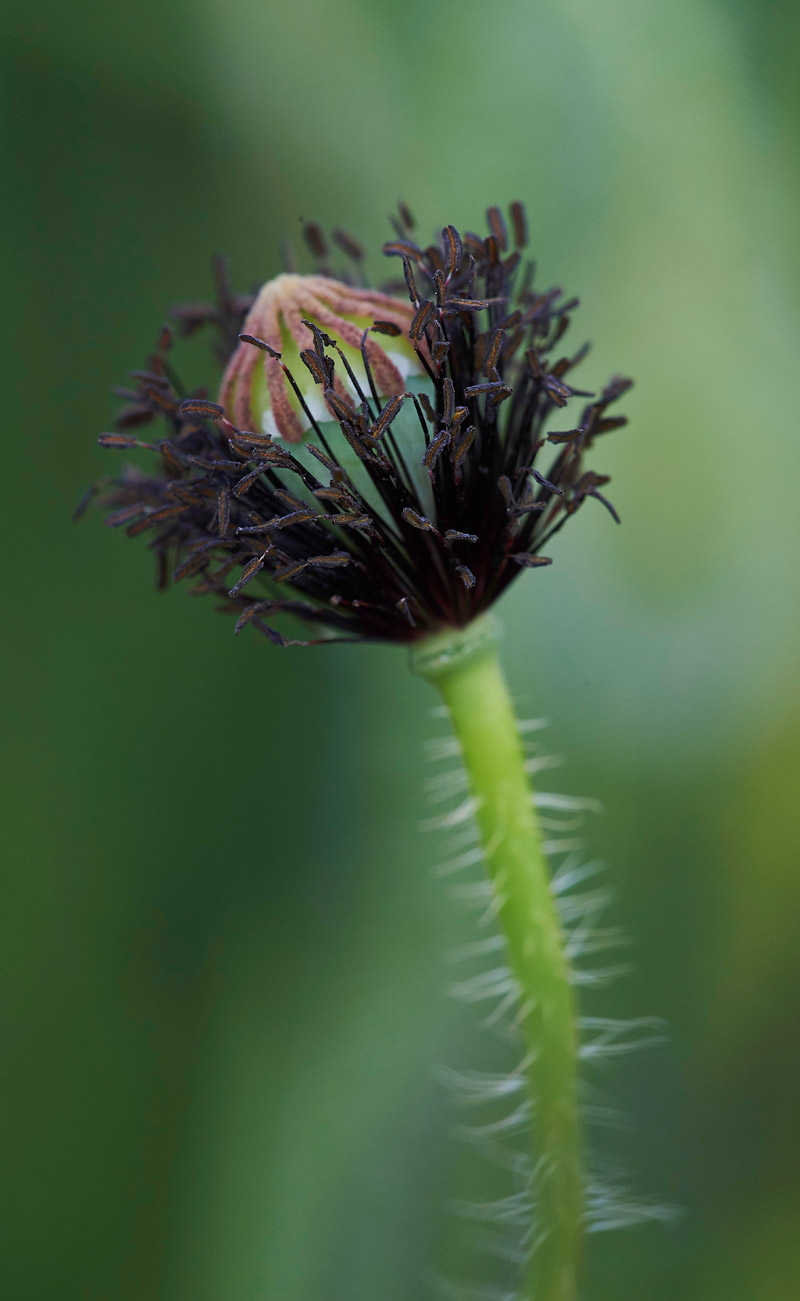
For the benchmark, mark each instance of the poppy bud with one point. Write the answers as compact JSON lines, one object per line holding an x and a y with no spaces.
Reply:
{"x":275,"y":381}
{"x":380,"y":464}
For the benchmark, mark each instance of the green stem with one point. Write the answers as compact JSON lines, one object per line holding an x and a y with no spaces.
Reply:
{"x":465,"y":667}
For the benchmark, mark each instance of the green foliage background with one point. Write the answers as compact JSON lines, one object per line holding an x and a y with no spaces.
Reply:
{"x":223,"y":948}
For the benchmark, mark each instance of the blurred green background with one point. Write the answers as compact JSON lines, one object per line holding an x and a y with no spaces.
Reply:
{"x":223,"y":947}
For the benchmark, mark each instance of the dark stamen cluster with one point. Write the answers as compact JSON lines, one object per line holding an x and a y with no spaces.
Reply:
{"x":237,"y":511}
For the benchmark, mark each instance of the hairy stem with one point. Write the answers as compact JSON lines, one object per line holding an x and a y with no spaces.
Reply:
{"x":464,"y":666}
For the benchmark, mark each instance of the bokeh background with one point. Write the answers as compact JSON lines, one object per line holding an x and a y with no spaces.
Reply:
{"x":223,"y":949}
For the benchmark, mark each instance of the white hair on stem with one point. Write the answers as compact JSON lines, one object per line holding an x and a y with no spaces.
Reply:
{"x":500,"y":1102}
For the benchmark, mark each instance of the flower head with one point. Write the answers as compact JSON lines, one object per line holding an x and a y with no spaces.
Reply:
{"x":380,"y":464}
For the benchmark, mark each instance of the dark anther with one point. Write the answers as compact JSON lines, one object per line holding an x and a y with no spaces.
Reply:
{"x":410,"y":282}
{"x":405,"y":216}
{"x":453,"y":535}
{"x":455,"y":250}
{"x":315,"y":239}
{"x":421,"y":318}
{"x":417,"y":521}
{"x":348,"y":245}
{"x":530,"y":562}
{"x":498,"y":228}
{"x":520,"y":225}
{"x":199,"y":407}
{"x":545,"y":483}
{"x":259,"y":343}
